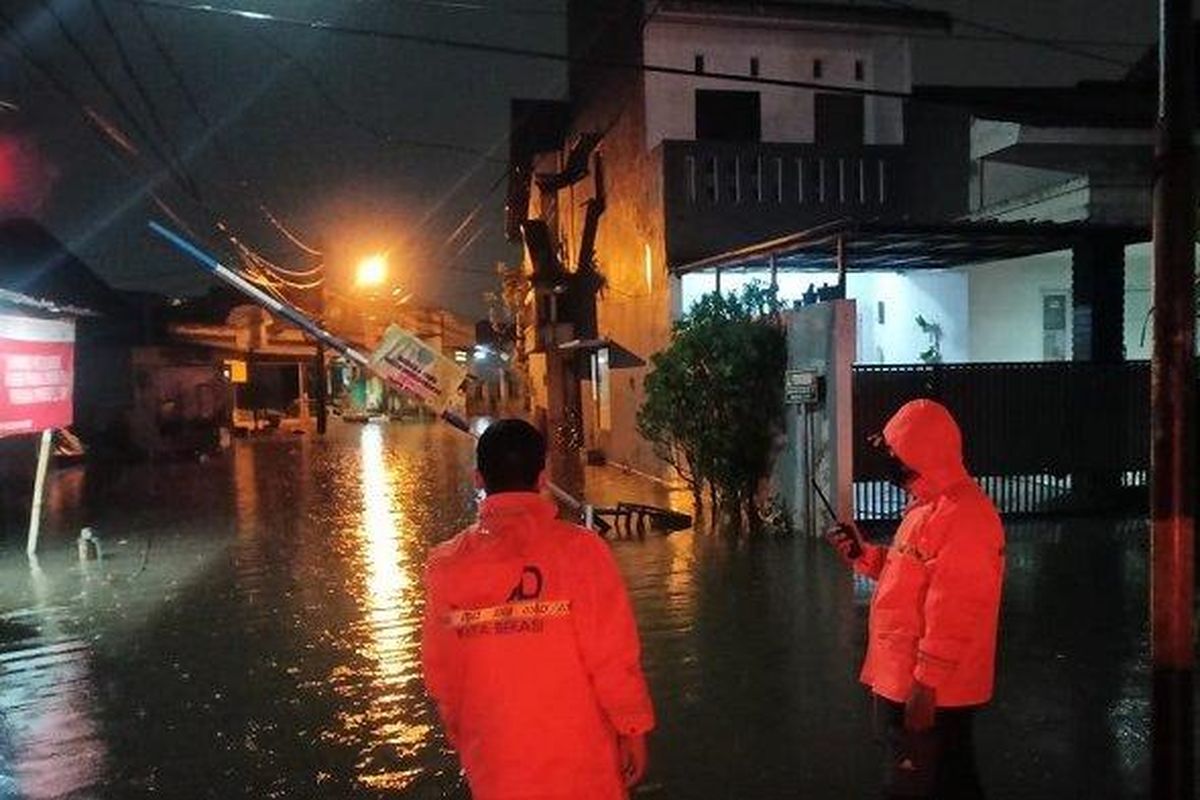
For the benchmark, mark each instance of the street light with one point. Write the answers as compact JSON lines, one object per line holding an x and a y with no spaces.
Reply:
{"x":372,"y":270}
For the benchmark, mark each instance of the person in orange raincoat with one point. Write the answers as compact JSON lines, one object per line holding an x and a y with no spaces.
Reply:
{"x":529,"y":645}
{"x":934,"y":615}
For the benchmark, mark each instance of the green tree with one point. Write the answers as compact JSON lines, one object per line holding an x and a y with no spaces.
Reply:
{"x":714,"y":398}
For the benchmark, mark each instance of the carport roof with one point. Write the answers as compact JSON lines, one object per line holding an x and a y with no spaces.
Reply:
{"x":869,"y":246}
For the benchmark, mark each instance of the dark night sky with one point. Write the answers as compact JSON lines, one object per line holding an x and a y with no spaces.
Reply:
{"x":306,"y":149}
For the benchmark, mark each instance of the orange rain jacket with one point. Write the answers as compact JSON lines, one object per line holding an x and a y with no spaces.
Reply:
{"x":530,"y":649}
{"x":936,"y":609}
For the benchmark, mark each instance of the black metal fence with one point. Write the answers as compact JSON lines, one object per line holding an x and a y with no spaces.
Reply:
{"x":1039,"y":436}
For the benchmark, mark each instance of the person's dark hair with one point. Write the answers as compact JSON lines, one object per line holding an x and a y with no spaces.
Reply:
{"x":510,"y":456}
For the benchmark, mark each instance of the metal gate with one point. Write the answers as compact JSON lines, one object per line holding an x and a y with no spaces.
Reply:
{"x":1040,"y":437}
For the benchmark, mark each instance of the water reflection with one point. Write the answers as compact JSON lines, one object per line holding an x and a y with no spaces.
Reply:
{"x":48,"y":732}
{"x":270,"y":647}
{"x":390,"y":597}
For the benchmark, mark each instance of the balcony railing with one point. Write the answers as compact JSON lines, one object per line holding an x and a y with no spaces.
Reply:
{"x":786,"y":175}
{"x":720,"y":195}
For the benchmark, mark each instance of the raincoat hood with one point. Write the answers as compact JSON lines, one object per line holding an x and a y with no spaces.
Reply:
{"x":924,"y":435}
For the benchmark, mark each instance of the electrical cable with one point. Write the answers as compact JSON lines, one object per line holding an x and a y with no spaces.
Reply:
{"x":98,"y":75}
{"x":1016,"y":36}
{"x":266,"y":271}
{"x":505,"y":50}
{"x":595,"y":37}
{"x":140,"y":88}
{"x":291,"y":237}
{"x":111,"y":137}
{"x":353,"y":120}
{"x":546,"y":55}
{"x":219,"y":148}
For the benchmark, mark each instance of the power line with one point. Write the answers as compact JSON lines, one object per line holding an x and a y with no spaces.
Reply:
{"x":177,"y":75}
{"x":595,"y":37}
{"x":131,"y":74}
{"x":352,"y":119}
{"x":462,"y":5}
{"x":269,"y":275}
{"x":106,"y":85}
{"x":546,"y":55}
{"x":505,"y":50}
{"x":112,"y":137}
{"x":1016,"y":36}
{"x":218,"y":144}
{"x":1124,"y":44}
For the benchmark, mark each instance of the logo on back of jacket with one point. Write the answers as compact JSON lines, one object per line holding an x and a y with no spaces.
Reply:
{"x":523,"y":610}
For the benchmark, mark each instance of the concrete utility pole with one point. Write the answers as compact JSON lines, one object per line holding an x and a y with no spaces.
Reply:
{"x":1172,"y":409}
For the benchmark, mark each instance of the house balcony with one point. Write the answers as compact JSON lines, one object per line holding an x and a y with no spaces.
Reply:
{"x":721,"y":195}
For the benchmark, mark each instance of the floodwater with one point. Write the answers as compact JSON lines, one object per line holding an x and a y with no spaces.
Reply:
{"x":252,"y":631}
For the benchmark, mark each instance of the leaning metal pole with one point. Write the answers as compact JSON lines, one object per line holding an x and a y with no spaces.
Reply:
{"x":1172,"y":409}
{"x":309,"y":326}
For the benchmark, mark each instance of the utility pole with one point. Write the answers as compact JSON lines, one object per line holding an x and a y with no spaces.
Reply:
{"x":321,"y":389}
{"x":1172,"y":409}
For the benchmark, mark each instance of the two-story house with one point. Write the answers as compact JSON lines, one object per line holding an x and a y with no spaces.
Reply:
{"x":693,"y":128}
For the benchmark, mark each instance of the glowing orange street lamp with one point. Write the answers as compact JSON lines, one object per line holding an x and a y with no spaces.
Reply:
{"x":372,"y":271}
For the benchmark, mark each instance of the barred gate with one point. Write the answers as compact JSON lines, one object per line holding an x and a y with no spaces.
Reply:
{"x":1041,"y":437}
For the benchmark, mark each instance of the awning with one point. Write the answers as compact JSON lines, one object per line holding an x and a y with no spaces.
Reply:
{"x":29,"y":304}
{"x":618,"y":356}
{"x":869,"y":246}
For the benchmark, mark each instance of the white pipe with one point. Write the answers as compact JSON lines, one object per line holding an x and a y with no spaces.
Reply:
{"x":39,"y":491}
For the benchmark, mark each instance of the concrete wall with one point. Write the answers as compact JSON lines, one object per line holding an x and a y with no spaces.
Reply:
{"x":1139,"y":282}
{"x":787,"y":114}
{"x":988,"y":312}
{"x":939,"y":297}
{"x":1006,"y":304}
{"x":821,"y":338}
{"x":634,"y":309}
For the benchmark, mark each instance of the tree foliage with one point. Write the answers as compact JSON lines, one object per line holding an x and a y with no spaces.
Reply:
{"x":714,"y":397}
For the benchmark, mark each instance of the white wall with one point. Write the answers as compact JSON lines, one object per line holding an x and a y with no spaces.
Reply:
{"x":787,"y":114}
{"x":1138,"y":298}
{"x":940,"y":297}
{"x":988,"y":312}
{"x":1006,"y":306}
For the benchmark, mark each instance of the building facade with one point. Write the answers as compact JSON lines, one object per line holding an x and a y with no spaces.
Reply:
{"x":693,"y":128}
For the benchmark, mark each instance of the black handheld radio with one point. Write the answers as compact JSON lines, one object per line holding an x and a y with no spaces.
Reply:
{"x":855,"y":549}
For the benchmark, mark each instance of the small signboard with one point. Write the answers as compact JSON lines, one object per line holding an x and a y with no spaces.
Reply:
{"x":413,"y":366}
{"x":37,"y":374}
{"x":235,"y":371}
{"x":801,"y":387}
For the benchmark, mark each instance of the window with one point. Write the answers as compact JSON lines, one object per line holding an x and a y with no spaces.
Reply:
{"x":699,"y":63}
{"x":880,"y":313}
{"x":839,"y":120}
{"x":818,"y":68}
{"x":860,"y":71}
{"x":728,"y":116}
{"x":754,"y":67}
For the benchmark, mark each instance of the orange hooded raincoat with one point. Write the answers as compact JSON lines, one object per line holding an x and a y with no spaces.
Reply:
{"x":935,"y":612}
{"x":530,"y":649}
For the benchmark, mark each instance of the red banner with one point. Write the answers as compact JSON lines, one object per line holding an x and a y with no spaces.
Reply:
{"x":37,"y":374}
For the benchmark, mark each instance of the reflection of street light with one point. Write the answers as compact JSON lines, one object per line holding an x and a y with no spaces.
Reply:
{"x":372,"y":271}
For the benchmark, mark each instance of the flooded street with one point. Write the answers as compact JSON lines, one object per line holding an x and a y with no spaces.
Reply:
{"x":253,"y":627}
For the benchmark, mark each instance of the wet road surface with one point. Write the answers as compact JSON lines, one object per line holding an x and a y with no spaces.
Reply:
{"x":252,"y":631}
